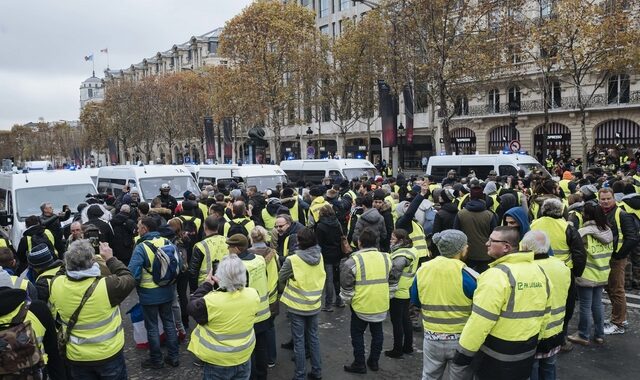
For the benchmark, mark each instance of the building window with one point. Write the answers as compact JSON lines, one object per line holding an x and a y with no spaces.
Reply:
{"x":189,"y":55}
{"x":546,"y":7}
{"x":618,"y":89}
{"x":325,"y":30}
{"x":514,"y":54}
{"x":324,"y":8}
{"x":494,"y":20}
{"x":461,"y":106}
{"x":305,"y":3}
{"x":344,"y":4}
{"x":91,"y":93}
{"x":213,"y":47}
{"x":555,"y":95}
{"x":494,"y":101}
{"x":514,"y":97}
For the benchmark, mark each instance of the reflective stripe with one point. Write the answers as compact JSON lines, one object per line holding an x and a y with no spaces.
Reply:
{"x":523,"y":314}
{"x":90,"y":326}
{"x":558,"y":310}
{"x":18,"y":282}
{"x":553,"y":324}
{"x":464,"y":351}
{"x":408,"y":274}
{"x":451,"y":308}
{"x":372,"y":282}
{"x":485,"y":313}
{"x":561,"y":251}
{"x":594,"y":266}
{"x":315,"y":293}
{"x":96,"y":339}
{"x":601,"y":255}
{"x":207,"y":253}
{"x":512,"y":283}
{"x":445,"y":321}
{"x":300,"y":300}
{"x":363,"y":273}
{"x":262,"y":312}
{"x":505,"y":357}
{"x":219,"y":348}
{"x":373,"y":315}
{"x":222,"y":337}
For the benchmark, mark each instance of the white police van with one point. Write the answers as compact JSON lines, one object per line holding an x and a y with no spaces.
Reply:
{"x":263,"y":177}
{"x":214,"y":174}
{"x":147,"y":179}
{"x":21,"y":195}
{"x":315,"y":171}
{"x":482,"y":164}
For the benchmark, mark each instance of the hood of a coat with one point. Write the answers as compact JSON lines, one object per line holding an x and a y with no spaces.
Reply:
{"x":633,"y":200}
{"x":476,"y":205}
{"x":518,"y":214}
{"x":310,"y":255}
{"x":372,"y":216}
{"x":590,"y":228}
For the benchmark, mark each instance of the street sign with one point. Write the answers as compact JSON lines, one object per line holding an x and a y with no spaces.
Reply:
{"x":311,"y":151}
{"x":514,"y":146}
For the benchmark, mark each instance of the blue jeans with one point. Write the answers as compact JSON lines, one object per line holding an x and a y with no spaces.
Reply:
{"x":301,"y":326}
{"x":544,"y":369}
{"x":358,"y":327}
{"x":114,"y":369}
{"x":150,"y":313}
{"x":239,"y":372}
{"x":591,"y":306}
{"x":272,"y":351}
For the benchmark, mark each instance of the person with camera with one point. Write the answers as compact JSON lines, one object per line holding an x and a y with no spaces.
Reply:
{"x":96,"y":217}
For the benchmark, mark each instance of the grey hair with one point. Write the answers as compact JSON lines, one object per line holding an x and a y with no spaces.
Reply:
{"x":79,"y":256}
{"x":286,"y":217}
{"x":45,"y":204}
{"x":552,"y":207}
{"x":231,"y":273}
{"x":125,"y":208}
{"x":76,"y":223}
{"x":536,"y":241}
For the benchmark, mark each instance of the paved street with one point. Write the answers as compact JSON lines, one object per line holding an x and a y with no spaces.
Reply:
{"x":618,"y":358}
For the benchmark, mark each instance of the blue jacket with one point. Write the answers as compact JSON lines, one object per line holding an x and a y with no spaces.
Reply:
{"x":137,"y":264}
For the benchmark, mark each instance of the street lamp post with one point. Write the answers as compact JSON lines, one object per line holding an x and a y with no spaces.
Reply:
{"x":309,"y":132}
{"x":401,"y":132}
{"x":514,"y":108}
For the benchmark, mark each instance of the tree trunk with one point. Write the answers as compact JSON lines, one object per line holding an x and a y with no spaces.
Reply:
{"x":583,"y":135}
{"x":370,"y":155}
{"x":443,"y":115}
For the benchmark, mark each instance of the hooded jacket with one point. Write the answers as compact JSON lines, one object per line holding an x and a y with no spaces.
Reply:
{"x":445,"y":217}
{"x":520,"y":215}
{"x":311,"y":256}
{"x":385,"y":240}
{"x":137,"y":264}
{"x":603,"y":236}
{"x":575,"y":208}
{"x":123,"y":232}
{"x":370,"y":218}
{"x":328,"y":233}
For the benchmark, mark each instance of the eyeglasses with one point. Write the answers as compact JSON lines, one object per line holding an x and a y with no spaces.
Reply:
{"x":281,"y":225}
{"x":491,"y":241}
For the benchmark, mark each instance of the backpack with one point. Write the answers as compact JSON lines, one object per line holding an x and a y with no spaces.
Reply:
{"x":20,"y":354}
{"x":238,"y":228}
{"x":189,"y":232}
{"x":166,"y":264}
{"x":429,"y":218}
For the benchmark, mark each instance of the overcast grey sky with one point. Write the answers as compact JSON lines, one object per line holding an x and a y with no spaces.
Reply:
{"x":44,"y":42}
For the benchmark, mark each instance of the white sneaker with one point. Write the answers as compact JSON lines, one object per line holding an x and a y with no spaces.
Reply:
{"x":611,"y":329}
{"x":625,"y":323}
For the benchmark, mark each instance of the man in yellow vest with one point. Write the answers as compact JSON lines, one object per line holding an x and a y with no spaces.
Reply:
{"x":225,"y":310}
{"x":317,"y":201}
{"x":302,"y":277}
{"x":44,"y":267}
{"x":206,"y":253}
{"x":240,"y":223}
{"x":156,"y":300}
{"x":509,"y":311}
{"x":444,"y":288}
{"x":8,"y":277}
{"x":33,"y":235}
{"x":364,"y":284}
{"x":567,"y":245}
{"x":551,"y":338}
{"x":257,"y":272}
{"x":96,"y":342}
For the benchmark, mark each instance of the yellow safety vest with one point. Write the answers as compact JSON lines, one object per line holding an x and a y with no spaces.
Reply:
{"x":257,"y":279}
{"x":213,"y":248}
{"x":294,"y":212}
{"x":146,"y":281}
{"x":461,"y":201}
{"x":496,"y":202}
{"x":598,"y":255}
{"x":510,"y":304}
{"x":269,"y":221}
{"x":408,"y":273}
{"x":51,"y":239}
{"x":204,"y":210}
{"x":445,"y":307}
{"x":616,"y":217}
{"x":418,"y":239}
{"x":432,"y":187}
{"x":250,"y":225}
{"x":560,"y":278}
{"x":371,"y":296}
{"x":579,"y":217}
{"x":228,"y":338}
{"x":98,"y":335}
{"x":556,"y":229}
{"x":14,"y":282}
{"x":564,"y":185}
{"x":4,"y":243}
{"x":272,"y":278}
{"x":197,"y":221}
{"x":36,"y":325}
{"x":49,"y":274}
{"x":629,"y":210}
{"x":304,"y":289}
{"x":315,"y":207}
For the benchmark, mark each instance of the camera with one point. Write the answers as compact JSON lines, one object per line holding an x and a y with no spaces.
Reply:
{"x":92,"y":233}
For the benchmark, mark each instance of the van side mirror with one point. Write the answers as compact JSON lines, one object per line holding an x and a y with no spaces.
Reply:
{"x":5,"y":219}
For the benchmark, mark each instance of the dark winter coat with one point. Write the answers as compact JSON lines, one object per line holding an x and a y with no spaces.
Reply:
{"x":370,"y":218}
{"x":477,"y":223}
{"x":106,"y":232}
{"x":123,"y":231}
{"x":328,"y":232}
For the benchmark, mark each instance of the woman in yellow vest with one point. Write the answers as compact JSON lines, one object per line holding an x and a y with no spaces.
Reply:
{"x":225,"y":310}
{"x":598,"y":240}
{"x":302,"y":276}
{"x":404,"y":263}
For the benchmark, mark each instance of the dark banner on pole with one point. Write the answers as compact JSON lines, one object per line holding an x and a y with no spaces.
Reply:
{"x":113,"y":151}
{"x":227,"y":128}
{"x":209,"y":137}
{"x":389,"y":127}
{"x":408,"y":111}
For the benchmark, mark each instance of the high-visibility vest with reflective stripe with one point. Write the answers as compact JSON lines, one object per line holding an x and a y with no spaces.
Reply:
{"x":560,"y":278}
{"x":353,"y":195}
{"x":197,"y":221}
{"x":629,"y":210}
{"x":418,"y":239}
{"x":432,"y":187}
{"x":146,"y":280}
{"x":268,"y":219}
{"x":408,"y":273}
{"x":315,"y":207}
{"x":49,"y":274}
{"x":294,"y":213}
{"x":98,"y":334}
{"x":304,"y":289}
{"x":564,"y":185}
{"x":556,"y":229}
{"x":371,"y":296}
{"x":249,"y":226}
{"x":272,"y":278}
{"x":578,"y":216}
{"x":496,"y":202}
{"x":445,"y":307}
{"x":204,"y":210}
{"x":257,"y":279}
{"x":35,"y":323}
{"x":14,"y":282}
{"x":213,"y":248}
{"x":4,"y":243}
{"x":51,"y":239}
{"x":616,"y":218}
{"x":461,"y":200}
{"x":598,"y":255}
{"x":228,"y":338}
{"x":511,"y":304}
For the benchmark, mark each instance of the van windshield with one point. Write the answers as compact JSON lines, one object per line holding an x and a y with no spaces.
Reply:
{"x":151,"y":186}
{"x":352,"y":173}
{"x":530,"y":167}
{"x":28,"y":201}
{"x":266,"y":182}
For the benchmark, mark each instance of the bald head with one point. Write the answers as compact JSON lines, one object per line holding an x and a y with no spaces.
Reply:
{"x":536,"y":241}
{"x":239,"y":209}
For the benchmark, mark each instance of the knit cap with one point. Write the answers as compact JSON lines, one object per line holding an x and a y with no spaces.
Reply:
{"x":450,"y":242}
{"x":238,"y":240}
{"x":588,"y":192}
{"x":317,"y":191}
{"x":447,"y":195}
{"x":40,"y":256}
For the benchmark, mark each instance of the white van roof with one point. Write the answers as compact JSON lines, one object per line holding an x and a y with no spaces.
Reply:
{"x":257,"y":171}
{"x":45,"y":178}
{"x":479,"y":159}
{"x":325,"y":164}
{"x":148,"y":171}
